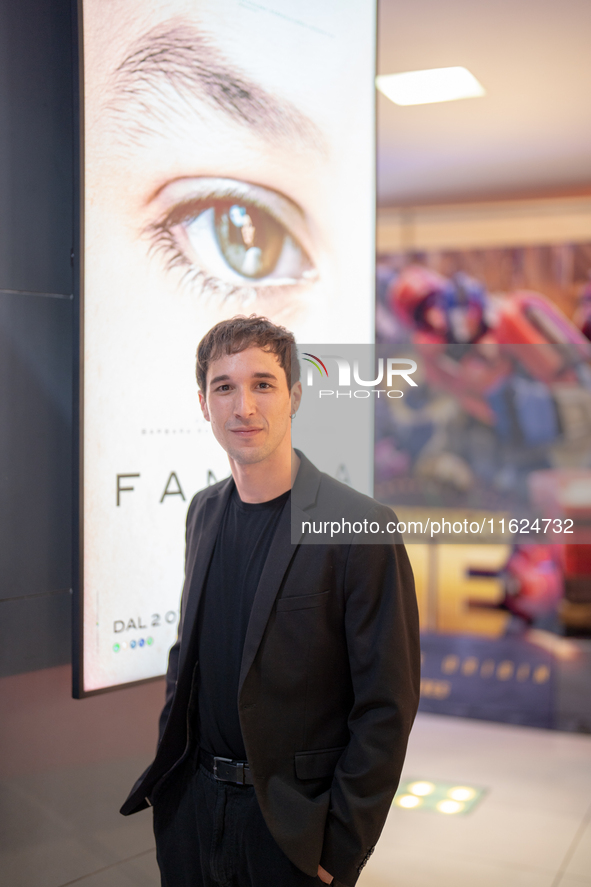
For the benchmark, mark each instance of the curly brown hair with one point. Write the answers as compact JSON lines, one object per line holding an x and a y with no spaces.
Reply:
{"x":241,"y":332}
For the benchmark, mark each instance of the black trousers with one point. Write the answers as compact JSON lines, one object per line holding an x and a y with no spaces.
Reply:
{"x":212,"y":834}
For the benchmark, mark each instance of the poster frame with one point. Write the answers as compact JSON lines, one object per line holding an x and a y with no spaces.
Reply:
{"x":77,"y":257}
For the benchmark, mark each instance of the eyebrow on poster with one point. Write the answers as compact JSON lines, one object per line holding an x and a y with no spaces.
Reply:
{"x":183,"y":60}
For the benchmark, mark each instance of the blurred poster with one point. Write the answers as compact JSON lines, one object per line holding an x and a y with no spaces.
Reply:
{"x":500,"y":425}
{"x":228,"y":169}
{"x":494,"y":436}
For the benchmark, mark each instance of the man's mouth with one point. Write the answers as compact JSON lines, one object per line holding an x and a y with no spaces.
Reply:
{"x":245,"y":431}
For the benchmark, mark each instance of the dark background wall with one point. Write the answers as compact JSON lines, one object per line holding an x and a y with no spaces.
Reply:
{"x":36,"y":285}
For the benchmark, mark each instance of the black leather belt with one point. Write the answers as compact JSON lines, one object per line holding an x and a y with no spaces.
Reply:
{"x":225,"y":769}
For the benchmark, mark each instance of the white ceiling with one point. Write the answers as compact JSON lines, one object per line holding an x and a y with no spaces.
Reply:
{"x":531,"y":133}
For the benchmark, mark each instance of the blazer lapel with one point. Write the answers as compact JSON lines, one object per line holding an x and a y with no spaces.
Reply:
{"x":198,"y":560}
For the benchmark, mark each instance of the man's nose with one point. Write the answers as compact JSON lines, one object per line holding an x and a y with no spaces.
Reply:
{"x":245,"y":404}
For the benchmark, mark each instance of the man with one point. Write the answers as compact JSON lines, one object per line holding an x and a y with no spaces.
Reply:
{"x":293,"y":685}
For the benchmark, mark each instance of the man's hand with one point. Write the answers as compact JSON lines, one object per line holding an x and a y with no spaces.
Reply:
{"x":324,"y":876}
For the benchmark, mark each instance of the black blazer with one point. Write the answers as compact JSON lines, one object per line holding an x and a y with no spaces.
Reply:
{"x":329,"y":683}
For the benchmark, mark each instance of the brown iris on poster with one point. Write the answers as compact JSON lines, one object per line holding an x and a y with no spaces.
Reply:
{"x":250,"y":239}
{"x":228,"y":240}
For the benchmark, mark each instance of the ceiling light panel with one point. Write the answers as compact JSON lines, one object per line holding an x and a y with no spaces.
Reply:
{"x":429,"y":86}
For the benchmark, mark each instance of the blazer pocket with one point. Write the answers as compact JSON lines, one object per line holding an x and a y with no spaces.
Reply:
{"x":317,"y":764}
{"x":303,"y":601}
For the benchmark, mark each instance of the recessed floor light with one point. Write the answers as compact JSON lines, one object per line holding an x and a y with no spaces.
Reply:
{"x":462,"y":793}
{"x":449,"y":807}
{"x":429,"y":86}
{"x":408,"y":801}
{"x":440,"y":797}
{"x":421,"y":788}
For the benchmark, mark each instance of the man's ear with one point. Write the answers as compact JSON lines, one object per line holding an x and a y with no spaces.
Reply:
{"x":203,"y":405}
{"x":296,"y":396}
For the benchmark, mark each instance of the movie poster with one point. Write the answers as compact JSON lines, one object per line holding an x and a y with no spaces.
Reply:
{"x":498,"y":430}
{"x":228,"y":168}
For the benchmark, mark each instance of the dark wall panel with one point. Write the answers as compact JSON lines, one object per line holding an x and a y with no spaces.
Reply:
{"x":36,"y":129}
{"x":35,"y":444}
{"x":35,"y":481}
{"x":35,"y":632}
{"x":43,"y":729}
{"x":36,"y":238}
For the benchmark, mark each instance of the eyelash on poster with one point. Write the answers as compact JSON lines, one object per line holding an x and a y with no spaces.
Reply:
{"x":164,"y":241}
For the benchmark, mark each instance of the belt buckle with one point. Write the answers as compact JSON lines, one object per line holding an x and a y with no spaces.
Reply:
{"x":237,"y":766}
{"x":217,"y":761}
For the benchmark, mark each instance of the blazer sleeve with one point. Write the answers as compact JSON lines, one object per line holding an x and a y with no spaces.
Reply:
{"x":382,"y":631}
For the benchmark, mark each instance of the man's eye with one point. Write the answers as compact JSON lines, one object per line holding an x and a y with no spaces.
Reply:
{"x":233,"y":239}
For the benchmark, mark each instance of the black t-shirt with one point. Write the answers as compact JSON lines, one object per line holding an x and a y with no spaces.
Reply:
{"x":239,"y":555}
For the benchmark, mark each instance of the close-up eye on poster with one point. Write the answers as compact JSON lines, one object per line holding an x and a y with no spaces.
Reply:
{"x":219,"y":175}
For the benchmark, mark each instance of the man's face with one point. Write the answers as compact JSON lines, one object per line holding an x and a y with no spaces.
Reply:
{"x":249,"y":405}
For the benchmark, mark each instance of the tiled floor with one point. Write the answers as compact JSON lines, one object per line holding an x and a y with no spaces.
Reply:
{"x":532,"y":829}
{"x":64,"y":828}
